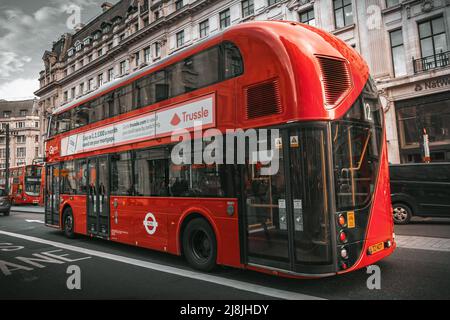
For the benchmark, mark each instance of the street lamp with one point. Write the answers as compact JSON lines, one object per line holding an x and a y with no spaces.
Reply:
{"x":5,"y":131}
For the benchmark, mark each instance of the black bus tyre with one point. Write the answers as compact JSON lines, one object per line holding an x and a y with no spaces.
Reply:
{"x":69,"y":223}
{"x":401,"y":213}
{"x":200,"y":245}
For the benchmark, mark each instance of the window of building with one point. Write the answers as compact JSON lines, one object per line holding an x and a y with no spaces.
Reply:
{"x":157,"y":50}
{"x":343,"y":13}
{"x":36,"y":138}
{"x":308,"y":17}
{"x":89,"y":58}
{"x":122,"y":174}
{"x":90,"y":84}
{"x":20,"y":124}
{"x":23,"y":113}
{"x":21,"y":152}
{"x":147,"y":55}
{"x":248,"y":8}
{"x":3,"y":153}
{"x":36,"y":152}
{"x":146,"y":22}
{"x":430,"y":114}
{"x":156,"y":14}
{"x":398,"y":53}
{"x":110,"y":74}
{"x":72,"y":68}
{"x":225,"y":19}
{"x":36,"y":124}
{"x":204,"y":28}
{"x":180,"y":38}
{"x":97,"y":35}
{"x":272,"y":2}
{"x":392,"y":3}
{"x":100,"y":79}
{"x":21,"y":139}
{"x":66,"y":96}
{"x":178,"y":4}
{"x":99,"y":52}
{"x":6,"y":114}
{"x":433,"y":39}
{"x":72,"y":93}
{"x":123,"y":67}
{"x":137,"y":58}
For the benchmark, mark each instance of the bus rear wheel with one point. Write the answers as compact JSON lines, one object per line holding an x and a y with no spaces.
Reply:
{"x":200,"y":245}
{"x":69,"y":224}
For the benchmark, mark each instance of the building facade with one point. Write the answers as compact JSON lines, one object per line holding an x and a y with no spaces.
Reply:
{"x":405,"y":43}
{"x":25,"y":135}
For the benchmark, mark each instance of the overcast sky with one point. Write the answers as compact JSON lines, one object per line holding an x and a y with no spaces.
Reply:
{"x":27,"y":29}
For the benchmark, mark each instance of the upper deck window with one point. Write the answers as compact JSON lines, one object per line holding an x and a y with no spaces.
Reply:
{"x":203,"y":69}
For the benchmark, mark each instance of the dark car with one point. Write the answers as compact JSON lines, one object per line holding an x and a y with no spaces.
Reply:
{"x":420,"y":189}
{"x":5,"y":203}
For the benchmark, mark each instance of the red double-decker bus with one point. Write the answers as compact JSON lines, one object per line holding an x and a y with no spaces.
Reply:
{"x":25,"y":184}
{"x":325,"y":210}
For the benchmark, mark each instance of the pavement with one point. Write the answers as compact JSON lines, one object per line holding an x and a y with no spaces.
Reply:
{"x":38,"y":262}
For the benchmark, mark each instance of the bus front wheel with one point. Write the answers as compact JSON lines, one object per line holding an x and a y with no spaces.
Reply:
{"x":69,"y":224}
{"x":200,"y":245}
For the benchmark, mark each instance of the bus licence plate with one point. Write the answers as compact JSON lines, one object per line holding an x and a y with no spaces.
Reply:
{"x":376,"y":248}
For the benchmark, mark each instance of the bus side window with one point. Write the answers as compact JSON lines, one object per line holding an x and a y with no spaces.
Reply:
{"x":233,"y":64}
{"x":124,"y":99}
{"x":122,"y":174}
{"x":81,"y":176}
{"x":109,"y":105}
{"x":81,"y":116}
{"x":144,"y":95}
{"x":161,"y":86}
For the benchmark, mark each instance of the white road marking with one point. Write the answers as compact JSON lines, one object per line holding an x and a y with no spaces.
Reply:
{"x":240,"y":285}
{"x":36,"y":221}
{"x":423,"y":243}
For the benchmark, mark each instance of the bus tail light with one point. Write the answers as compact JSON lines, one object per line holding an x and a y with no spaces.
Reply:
{"x":344,"y":253}
{"x":341,"y":220}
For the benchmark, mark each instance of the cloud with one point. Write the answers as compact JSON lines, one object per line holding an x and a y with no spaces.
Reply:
{"x":18,"y":89}
{"x":11,"y":62}
{"x":24,"y":36}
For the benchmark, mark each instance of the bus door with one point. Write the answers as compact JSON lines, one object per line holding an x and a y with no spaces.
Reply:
{"x":52,"y":195}
{"x":286,"y":211}
{"x":98,"y":197}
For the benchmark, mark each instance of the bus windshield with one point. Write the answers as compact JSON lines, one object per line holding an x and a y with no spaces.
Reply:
{"x":33,"y":180}
{"x":357,"y":139}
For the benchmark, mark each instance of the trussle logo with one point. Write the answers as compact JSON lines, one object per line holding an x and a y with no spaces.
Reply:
{"x":175,"y":120}
{"x":190,"y":116}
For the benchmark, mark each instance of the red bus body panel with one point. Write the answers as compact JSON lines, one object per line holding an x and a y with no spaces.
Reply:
{"x":272,"y":52}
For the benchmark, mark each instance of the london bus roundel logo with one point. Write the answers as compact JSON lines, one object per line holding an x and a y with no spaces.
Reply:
{"x":150,"y":223}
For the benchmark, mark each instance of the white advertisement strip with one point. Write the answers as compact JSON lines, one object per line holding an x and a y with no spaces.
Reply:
{"x":155,"y":124}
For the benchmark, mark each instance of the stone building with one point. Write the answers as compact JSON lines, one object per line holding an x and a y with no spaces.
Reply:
{"x":405,"y":43}
{"x":25,"y":138}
